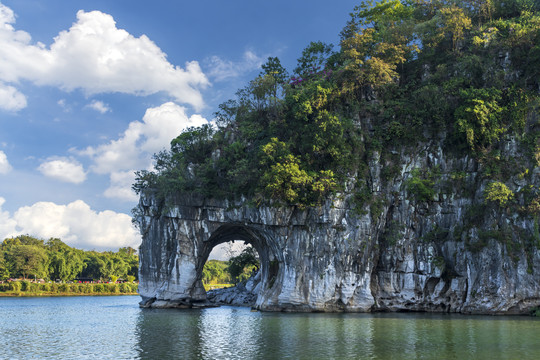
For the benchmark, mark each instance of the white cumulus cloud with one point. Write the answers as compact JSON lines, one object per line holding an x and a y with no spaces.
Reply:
{"x":11,"y":99}
{"x":97,"y":57}
{"x":120,"y":186}
{"x":134,"y":148}
{"x":75,"y":223}
{"x":5,"y":167}
{"x":221,"y":69}
{"x":99,"y":106}
{"x":8,"y":226}
{"x":63,"y":169}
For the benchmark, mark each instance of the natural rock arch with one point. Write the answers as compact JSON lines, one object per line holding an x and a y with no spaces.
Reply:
{"x":332,"y":258}
{"x":300,"y":268}
{"x":260,"y":241}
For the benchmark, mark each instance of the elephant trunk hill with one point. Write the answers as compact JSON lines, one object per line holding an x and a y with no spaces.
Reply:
{"x":399,"y":172}
{"x":442,"y":255}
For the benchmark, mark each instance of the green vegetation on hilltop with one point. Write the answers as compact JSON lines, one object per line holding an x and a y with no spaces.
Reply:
{"x":405,"y":73}
{"x":31,"y":258}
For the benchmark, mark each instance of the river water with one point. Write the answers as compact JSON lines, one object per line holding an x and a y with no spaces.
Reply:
{"x":116,"y":328}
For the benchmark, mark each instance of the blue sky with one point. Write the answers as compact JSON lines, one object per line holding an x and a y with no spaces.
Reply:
{"x":89,"y":90}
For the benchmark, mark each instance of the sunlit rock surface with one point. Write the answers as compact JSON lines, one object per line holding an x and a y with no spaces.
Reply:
{"x":409,"y":256}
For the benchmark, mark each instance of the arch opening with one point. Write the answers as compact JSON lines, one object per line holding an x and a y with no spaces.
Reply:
{"x":230,"y":263}
{"x":247,"y":291}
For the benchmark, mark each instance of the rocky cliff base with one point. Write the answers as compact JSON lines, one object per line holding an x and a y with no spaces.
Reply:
{"x":243,"y":294}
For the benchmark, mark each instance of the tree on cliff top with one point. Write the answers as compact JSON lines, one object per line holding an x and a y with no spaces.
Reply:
{"x":405,"y":72}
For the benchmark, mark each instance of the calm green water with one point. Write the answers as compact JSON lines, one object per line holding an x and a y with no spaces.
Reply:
{"x":115,"y":328}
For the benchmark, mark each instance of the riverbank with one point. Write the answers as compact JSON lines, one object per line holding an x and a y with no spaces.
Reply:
{"x":208,"y":287}
{"x":31,"y":289}
{"x":50,"y":294}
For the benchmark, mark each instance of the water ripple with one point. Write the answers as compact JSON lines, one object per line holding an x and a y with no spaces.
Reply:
{"x":115,"y":328}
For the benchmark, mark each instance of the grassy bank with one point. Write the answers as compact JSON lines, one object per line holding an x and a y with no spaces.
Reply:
{"x":26,"y":288}
{"x":50,"y":294}
{"x":216,"y":286}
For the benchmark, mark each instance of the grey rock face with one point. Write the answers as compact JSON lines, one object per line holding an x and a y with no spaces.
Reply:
{"x":404,"y":255}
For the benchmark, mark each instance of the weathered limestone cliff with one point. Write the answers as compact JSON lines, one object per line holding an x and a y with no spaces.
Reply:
{"x":451,"y":253}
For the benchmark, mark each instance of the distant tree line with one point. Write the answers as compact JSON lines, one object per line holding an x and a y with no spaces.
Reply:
{"x":28,"y":288}
{"x":238,"y":268}
{"x":30,"y":258}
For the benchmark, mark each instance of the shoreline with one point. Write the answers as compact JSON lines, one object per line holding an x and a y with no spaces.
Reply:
{"x":47,"y":294}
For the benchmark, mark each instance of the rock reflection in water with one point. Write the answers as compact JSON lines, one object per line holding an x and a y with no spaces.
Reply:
{"x":168,"y":334}
{"x":238,"y":333}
